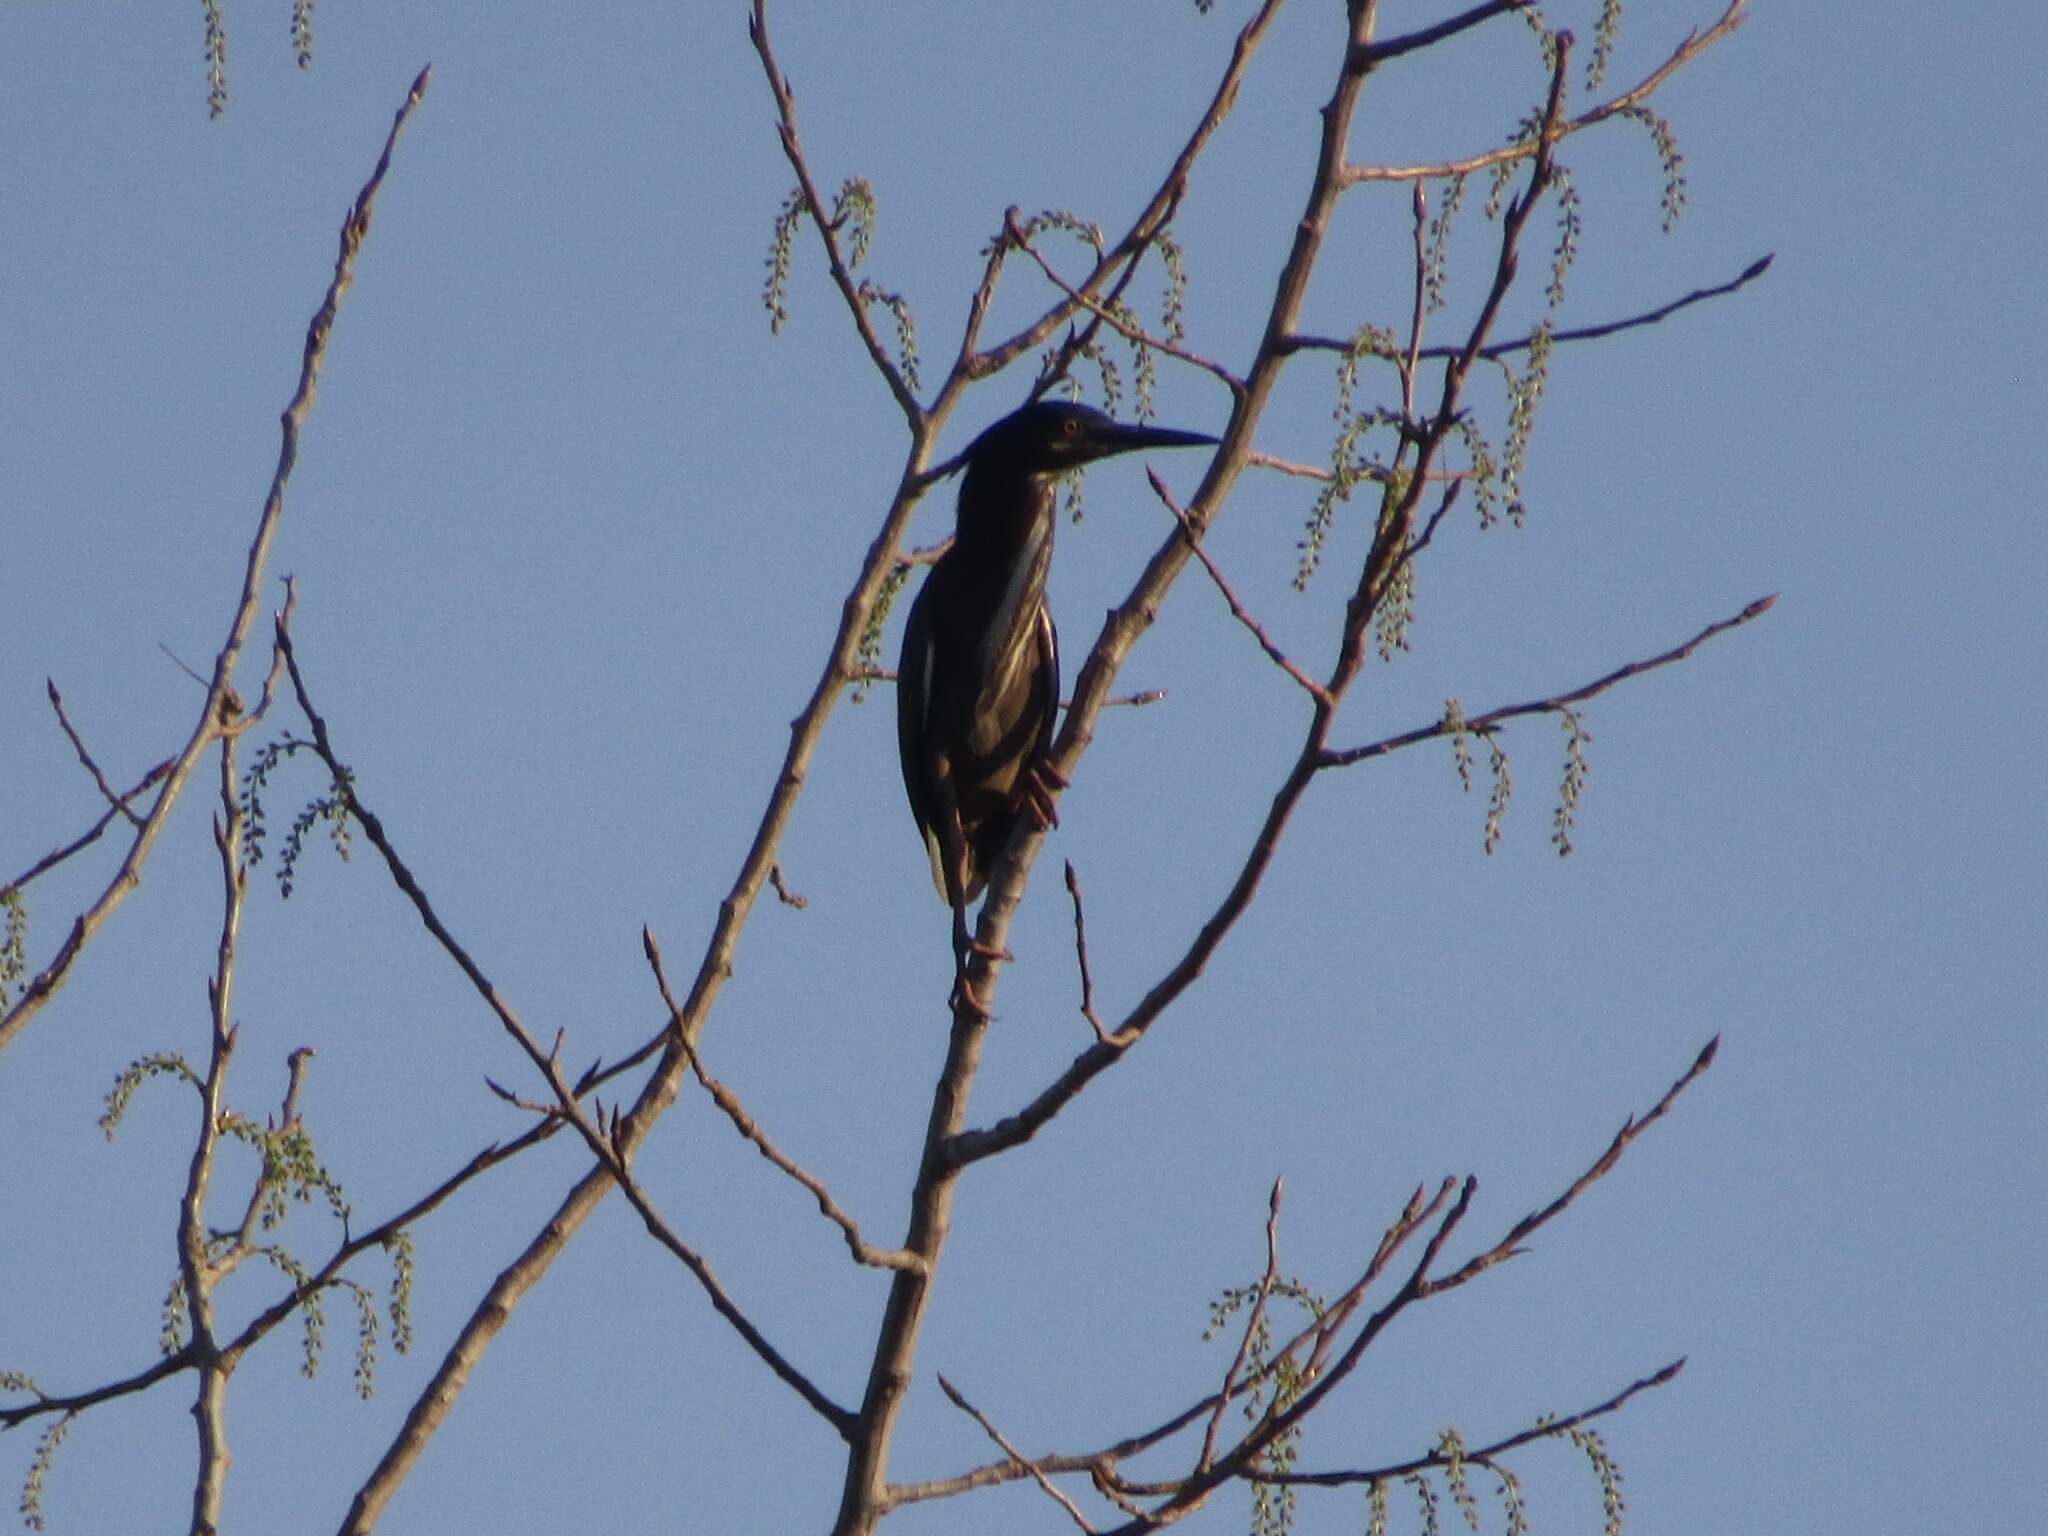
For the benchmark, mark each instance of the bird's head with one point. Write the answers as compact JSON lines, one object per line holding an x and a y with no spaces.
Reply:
{"x":1050,"y":437}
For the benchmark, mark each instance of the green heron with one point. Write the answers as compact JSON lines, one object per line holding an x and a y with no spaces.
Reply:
{"x":979,"y":683}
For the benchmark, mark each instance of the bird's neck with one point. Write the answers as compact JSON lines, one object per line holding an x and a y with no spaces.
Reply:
{"x":1003,"y":517}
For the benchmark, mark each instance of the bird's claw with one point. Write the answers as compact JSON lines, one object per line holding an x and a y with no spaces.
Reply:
{"x":1041,"y":781}
{"x":962,"y":998}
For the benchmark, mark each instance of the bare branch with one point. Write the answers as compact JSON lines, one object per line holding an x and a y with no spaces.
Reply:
{"x":1500,"y":349}
{"x":1694,"y":44}
{"x":1134,"y":616}
{"x":141,"y":1381}
{"x":1420,"y":307}
{"x":215,"y":715}
{"x":1238,"y":611}
{"x":1155,"y":214}
{"x":699,"y":1267}
{"x":401,"y":875}
{"x":1251,"y":1330}
{"x":1394,"y":47}
{"x":1016,"y":1457}
{"x":118,"y":802}
{"x":210,"y":1408}
{"x":92,"y":834}
{"x":376,"y":1237}
{"x":1103,"y":313}
{"x":842,"y":273}
{"x":1547,"y":1429}
{"x":1081,"y":959}
{"x":783,"y":893}
{"x":728,"y":1102}
{"x":1632,"y":1128}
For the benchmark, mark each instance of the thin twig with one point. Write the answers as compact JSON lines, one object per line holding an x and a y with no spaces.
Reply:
{"x":1016,"y":1456}
{"x":91,"y":835}
{"x":783,"y":893}
{"x":1394,"y":47}
{"x":50,"y":1403}
{"x":1081,"y":959}
{"x":841,"y":1419}
{"x":1101,"y":1463}
{"x":213,"y":717}
{"x":614,"y":1159}
{"x":1548,"y":1429}
{"x":1257,"y":1316}
{"x":118,"y":802}
{"x":1420,"y":309}
{"x":1238,"y":611}
{"x":1134,"y":334}
{"x":1493,"y":718}
{"x":1694,"y":44}
{"x":828,"y":235}
{"x":1631,"y":1129}
{"x":748,"y":1127}
{"x":401,"y":874}
{"x":376,"y":1237}
{"x":1499,"y":349}
{"x":1153,"y":217}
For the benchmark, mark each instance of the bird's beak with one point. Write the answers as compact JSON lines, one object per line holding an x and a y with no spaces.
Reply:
{"x":1121,"y":437}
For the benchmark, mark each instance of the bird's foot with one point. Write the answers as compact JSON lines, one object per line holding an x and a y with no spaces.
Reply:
{"x":1041,"y":781}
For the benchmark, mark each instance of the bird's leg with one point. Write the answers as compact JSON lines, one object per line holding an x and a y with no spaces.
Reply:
{"x":962,"y":995}
{"x":953,"y":848}
{"x":965,"y":946}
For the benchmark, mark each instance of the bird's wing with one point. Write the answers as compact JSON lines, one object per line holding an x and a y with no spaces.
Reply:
{"x":913,"y":726}
{"x":1049,"y":679}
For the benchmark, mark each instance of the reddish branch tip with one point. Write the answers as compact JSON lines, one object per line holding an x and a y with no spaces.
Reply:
{"x":1705,"y":1058}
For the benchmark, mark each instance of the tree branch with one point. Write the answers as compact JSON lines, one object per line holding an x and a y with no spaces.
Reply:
{"x":1480,"y":725}
{"x":863,"y":1252}
{"x":1136,"y":335}
{"x":51,"y":860}
{"x":1692,"y":47}
{"x":118,"y":802}
{"x":1500,"y":349}
{"x":216,"y":715}
{"x":1238,"y":611}
{"x":1394,"y":47}
{"x":1016,"y":1457}
{"x":842,"y":274}
{"x":1548,"y":1429}
{"x":1130,"y":620}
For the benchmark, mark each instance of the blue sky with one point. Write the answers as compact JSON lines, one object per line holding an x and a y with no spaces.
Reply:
{"x":571,"y":529}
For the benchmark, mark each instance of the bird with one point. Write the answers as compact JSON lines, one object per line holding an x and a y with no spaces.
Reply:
{"x":978,"y":685}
